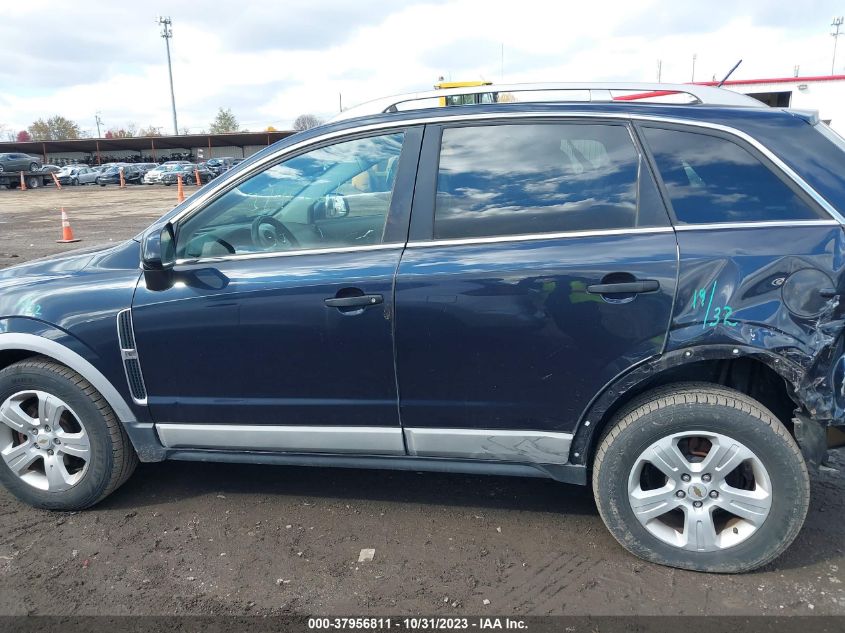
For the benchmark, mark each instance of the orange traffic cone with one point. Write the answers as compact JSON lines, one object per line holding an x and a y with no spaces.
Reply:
{"x":67,"y":232}
{"x":56,"y":180}
{"x":23,"y":184}
{"x":197,"y":175}
{"x":122,"y":180}
{"x":180,"y":191}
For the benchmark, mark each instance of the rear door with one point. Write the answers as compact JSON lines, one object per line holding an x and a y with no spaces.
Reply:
{"x":541,"y":264}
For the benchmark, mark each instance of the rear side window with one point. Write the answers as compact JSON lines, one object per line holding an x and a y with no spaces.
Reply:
{"x":517,"y":179}
{"x":710,"y":179}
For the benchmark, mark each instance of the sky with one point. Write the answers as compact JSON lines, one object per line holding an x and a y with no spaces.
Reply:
{"x":270,"y":61}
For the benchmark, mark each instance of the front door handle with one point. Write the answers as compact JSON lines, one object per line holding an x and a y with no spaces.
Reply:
{"x":626,"y":287}
{"x":358,"y":301}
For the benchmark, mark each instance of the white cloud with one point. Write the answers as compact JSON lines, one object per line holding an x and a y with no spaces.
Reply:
{"x":271,"y":61}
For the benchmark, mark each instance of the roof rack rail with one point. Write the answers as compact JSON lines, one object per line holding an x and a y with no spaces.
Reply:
{"x":556,"y":92}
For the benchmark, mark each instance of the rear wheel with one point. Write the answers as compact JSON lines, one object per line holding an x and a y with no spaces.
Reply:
{"x":34,"y":167}
{"x":701,"y":477}
{"x":62,"y":447}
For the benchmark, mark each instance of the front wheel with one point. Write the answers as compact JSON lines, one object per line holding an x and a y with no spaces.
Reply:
{"x":62,"y":447}
{"x":701,"y":477}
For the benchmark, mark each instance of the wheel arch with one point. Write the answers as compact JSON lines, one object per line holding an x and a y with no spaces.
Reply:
{"x":763,"y":375}
{"x":15,"y":346}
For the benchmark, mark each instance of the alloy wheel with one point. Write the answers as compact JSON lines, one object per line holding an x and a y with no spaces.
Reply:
{"x":42,"y":441}
{"x":700,"y":491}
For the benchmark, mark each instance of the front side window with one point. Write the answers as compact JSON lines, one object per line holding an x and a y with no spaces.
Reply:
{"x":334,"y":196}
{"x":711,"y":179}
{"x":519,"y":179}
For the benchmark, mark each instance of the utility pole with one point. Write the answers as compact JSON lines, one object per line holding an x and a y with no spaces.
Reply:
{"x":167,"y":33}
{"x":694,"y":57}
{"x":659,"y":70}
{"x":837,"y":22}
{"x":99,"y":123}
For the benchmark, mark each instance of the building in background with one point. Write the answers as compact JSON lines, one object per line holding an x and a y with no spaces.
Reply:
{"x":824,"y":93}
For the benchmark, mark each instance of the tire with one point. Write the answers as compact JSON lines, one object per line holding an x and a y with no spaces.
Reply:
{"x":75,"y":182}
{"x":96,"y":181}
{"x":111,"y":458}
{"x":736,"y":427}
{"x":34,"y":167}
{"x":33,"y":182}
{"x":2,"y":169}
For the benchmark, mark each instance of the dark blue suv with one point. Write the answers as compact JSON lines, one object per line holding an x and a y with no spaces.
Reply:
{"x":637,"y":296}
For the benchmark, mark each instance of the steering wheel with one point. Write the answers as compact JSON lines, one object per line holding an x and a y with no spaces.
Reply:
{"x":270,"y":238}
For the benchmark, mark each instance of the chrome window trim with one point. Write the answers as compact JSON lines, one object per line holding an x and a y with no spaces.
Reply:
{"x":529,"y":237}
{"x":753,"y":225}
{"x":202,"y":197}
{"x":304,"y":251}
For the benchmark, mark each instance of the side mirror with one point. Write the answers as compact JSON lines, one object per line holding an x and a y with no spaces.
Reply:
{"x":329,"y":207}
{"x":158,"y":249}
{"x":158,"y":256}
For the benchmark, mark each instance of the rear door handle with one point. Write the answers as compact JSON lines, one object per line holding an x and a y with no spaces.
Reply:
{"x":359,"y":301}
{"x":627,"y":287}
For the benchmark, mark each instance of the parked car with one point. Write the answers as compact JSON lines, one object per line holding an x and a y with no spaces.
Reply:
{"x":187,"y":172}
{"x":111,"y":175}
{"x":219,"y":165}
{"x":145,"y":167}
{"x":640,"y":297}
{"x":19,"y":162}
{"x":77,"y":175}
{"x":153,"y":176}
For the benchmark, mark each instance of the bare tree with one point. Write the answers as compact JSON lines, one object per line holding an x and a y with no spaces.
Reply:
{"x":150,"y":130}
{"x":306,"y":122}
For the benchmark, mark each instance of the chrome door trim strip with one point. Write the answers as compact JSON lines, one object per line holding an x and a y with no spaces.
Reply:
{"x":538,"y":236}
{"x":201,"y":197}
{"x":304,"y":251}
{"x":532,"y":447}
{"x":281,"y":438}
{"x":753,"y":225}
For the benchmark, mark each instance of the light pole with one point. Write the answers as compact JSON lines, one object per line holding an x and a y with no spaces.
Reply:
{"x":99,"y":123}
{"x":694,"y":57}
{"x":167,"y":33}
{"x":837,"y":22}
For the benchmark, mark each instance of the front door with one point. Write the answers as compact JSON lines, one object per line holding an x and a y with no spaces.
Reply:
{"x":541,"y":264}
{"x":277,"y":334}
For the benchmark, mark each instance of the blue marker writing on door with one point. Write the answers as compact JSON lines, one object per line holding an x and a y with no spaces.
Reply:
{"x":720,"y":314}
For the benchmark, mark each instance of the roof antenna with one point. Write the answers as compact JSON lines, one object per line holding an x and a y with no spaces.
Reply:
{"x":730,"y":72}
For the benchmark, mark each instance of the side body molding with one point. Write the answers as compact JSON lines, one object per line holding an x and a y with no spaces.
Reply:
{"x":142,"y":435}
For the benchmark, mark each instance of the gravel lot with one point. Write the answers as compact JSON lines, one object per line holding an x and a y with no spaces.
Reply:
{"x":218,"y":538}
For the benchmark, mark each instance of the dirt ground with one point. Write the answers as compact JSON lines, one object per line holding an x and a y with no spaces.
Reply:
{"x":194,"y":538}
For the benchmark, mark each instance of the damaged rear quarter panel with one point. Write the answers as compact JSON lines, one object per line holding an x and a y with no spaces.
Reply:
{"x":761,"y":287}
